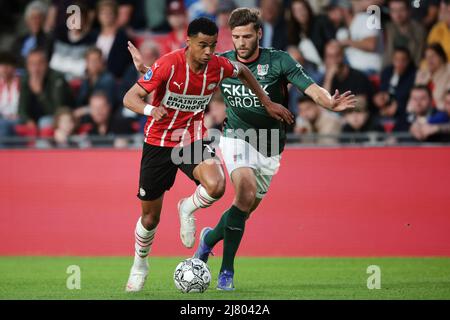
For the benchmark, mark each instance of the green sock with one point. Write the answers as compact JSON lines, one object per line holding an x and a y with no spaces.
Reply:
{"x":232,"y":235}
{"x":216,"y":234}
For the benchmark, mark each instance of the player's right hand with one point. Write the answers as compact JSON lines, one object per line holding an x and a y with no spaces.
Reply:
{"x":279,"y":112}
{"x":159,"y":113}
{"x":137,"y":58}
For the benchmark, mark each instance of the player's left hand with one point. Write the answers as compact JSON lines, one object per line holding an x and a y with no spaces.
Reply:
{"x":137,"y":58}
{"x":279,"y":112}
{"x":341,"y":102}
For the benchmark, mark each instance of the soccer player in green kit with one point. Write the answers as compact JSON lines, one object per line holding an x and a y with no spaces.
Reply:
{"x":252,"y":141}
{"x":251,"y":165}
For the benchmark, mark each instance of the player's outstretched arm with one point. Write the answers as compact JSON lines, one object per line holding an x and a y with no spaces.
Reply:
{"x":134,"y":100}
{"x":275,"y":110}
{"x":337,"y":102}
{"x":137,"y":58}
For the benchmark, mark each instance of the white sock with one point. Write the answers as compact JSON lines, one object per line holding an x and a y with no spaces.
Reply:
{"x":200,"y":199}
{"x":143,"y":243}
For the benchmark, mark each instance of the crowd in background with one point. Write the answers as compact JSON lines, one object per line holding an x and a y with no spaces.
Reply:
{"x":58,"y":82}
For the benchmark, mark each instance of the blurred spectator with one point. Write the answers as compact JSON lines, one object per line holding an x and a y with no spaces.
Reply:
{"x":203,"y":8}
{"x":300,"y":21}
{"x":328,"y":24}
{"x":440,"y":33}
{"x":314,"y":119}
{"x":436,"y":128}
{"x":216,"y":112}
{"x":320,"y":6}
{"x":64,"y":128}
{"x":361,"y":42}
{"x":309,"y":67}
{"x":274,"y":27}
{"x":435,"y":73}
{"x":70,"y":47}
{"x":96,"y":79}
{"x":156,"y":15}
{"x":224,"y":39}
{"x":422,"y":111}
{"x":340,"y":76}
{"x":125,"y":12}
{"x":111,"y":39}
{"x":300,"y":26}
{"x":9,"y":94}
{"x":42,"y":91}
{"x":131,"y":15}
{"x":396,"y":81}
{"x":402,"y":31}
{"x":57,"y":14}
{"x":359,"y":120}
{"x":426,"y":12}
{"x":35,"y":37}
{"x":176,"y":39}
{"x":101,"y":121}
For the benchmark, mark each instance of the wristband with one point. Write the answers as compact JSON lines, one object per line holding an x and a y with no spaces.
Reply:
{"x":148,"y":109}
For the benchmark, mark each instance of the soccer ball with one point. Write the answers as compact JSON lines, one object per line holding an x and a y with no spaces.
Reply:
{"x":192,"y":275}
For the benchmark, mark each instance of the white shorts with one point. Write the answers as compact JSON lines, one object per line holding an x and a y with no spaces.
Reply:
{"x":238,"y":153}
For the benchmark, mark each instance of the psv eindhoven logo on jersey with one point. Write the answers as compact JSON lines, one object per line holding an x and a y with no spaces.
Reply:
{"x":148,"y":75}
{"x":262,"y":69}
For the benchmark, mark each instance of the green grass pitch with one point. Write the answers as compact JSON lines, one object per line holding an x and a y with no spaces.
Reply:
{"x":256,"y":278}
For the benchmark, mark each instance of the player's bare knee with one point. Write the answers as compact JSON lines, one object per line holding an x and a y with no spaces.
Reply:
{"x":215,"y":187}
{"x":149,"y":220}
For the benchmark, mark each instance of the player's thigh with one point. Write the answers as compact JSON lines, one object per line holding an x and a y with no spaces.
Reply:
{"x":267,"y":168}
{"x":204,"y":168}
{"x":157,"y":172}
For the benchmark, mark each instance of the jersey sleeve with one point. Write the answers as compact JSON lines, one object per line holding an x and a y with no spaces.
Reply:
{"x":230,"y":68}
{"x":294,"y":72}
{"x":157,"y":75}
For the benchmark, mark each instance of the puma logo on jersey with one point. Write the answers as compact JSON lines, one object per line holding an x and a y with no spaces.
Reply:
{"x":178,"y":85}
{"x":210,"y":150}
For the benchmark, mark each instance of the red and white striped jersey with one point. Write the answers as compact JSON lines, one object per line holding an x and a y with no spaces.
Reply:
{"x":184,"y":94}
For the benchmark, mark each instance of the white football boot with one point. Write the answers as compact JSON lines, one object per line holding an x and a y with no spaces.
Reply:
{"x":137,"y":278}
{"x":187,"y":226}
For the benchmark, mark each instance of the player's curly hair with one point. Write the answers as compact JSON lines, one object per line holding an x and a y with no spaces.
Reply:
{"x":244,"y":16}
{"x":202,"y":25}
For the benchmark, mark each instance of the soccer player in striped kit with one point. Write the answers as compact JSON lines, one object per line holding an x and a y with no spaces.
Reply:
{"x":183,"y":82}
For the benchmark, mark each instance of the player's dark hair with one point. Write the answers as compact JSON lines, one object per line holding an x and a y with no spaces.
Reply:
{"x":244,"y":16}
{"x":7,"y":58}
{"x":437,"y":48}
{"x":202,"y":25}
{"x":424,"y":88}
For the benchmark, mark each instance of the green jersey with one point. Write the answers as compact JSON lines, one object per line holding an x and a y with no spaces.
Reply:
{"x":273,"y":69}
